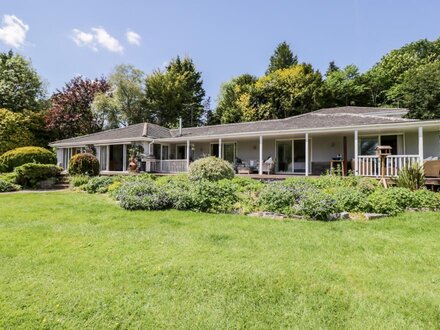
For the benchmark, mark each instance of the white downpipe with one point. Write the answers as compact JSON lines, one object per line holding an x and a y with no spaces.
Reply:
{"x":356,"y":152}
{"x":161,"y":157}
{"x":421,"y":157}
{"x":307,"y":154}
{"x":124,"y":157}
{"x":220,"y":153}
{"x":188,"y":151}
{"x":150,"y":148}
{"x":260,"y":167}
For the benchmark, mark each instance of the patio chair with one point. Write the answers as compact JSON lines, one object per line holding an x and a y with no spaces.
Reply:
{"x":432,"y":167}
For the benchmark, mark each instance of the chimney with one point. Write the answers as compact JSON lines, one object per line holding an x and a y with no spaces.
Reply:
{"x":180,"y":126}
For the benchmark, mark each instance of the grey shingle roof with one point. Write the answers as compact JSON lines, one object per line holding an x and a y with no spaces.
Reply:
{"x":324,"y":118}
{"x":130,"y":132}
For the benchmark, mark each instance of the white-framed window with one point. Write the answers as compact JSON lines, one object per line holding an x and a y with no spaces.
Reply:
{"x":368,"y":143}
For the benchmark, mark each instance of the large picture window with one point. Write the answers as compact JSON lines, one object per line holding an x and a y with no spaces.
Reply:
{"x":368,"y":144}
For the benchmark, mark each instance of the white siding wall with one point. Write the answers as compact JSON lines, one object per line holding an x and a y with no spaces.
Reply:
{"x":431,"y":144}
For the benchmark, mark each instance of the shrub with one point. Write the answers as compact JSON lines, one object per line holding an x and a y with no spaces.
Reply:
{"x":113,"y":189}
{"x":211,"y":169}
{"x":317,"y":205}
{"x":404,"y":197}
{"x":29,"y":175}
{"x":142,"y":196}
{"x":8,"y":177}
{"x":382,"y":202}
{"x":180,"y":191}
{"x":277,"y":197}
{"x":411,"y":177}
{"x":424,"y":198}
{"x":6,"y":186}
{"x":350,"y":199}
{"x":216,"y":197}
{"x":367,"y":185}
{"x":24,"y":155}
{"x":84,"y":163}
{"x":244,"y":184}
{"x":135,"y":177}
{"x":79,"y":180}
{"x":98,"y":184}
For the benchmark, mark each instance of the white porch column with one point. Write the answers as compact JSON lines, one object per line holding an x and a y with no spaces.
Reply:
{"x":220,"y":153}
{"x":356,"y":152}
{"x":124,"y":157}
{"x":307,"y":154}
{"x":188,"y":152}
{"x":161,"y":157}
{"x":421,"y":145}
{"x":260,"y":164}
{"x":107,"y":165}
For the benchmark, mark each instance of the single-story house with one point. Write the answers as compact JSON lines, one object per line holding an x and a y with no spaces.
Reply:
{"x":304,"y":144}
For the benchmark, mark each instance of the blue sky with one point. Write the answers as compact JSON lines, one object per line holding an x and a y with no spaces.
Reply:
{"x":224,"y":38}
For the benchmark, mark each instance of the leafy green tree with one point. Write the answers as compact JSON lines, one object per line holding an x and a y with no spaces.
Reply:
{"x":420,"y":91}
{"x":123,"y":104}
{"x":14,"y":130}
{"x":228,"y":108}
{"x":175,"y":92}
{"x":343,"y":87}
{"x":21,"y":88}
{"x":283,"y":93}
{"x":282,"y":58}
{"x":389,"y":72}
{"x":332,"y":67}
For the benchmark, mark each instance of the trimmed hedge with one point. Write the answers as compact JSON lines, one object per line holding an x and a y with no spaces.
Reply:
{"x":84,"y":163}
{"x":211,"y":169}
{"x":24,"y":155}
{"x":29,"y":175}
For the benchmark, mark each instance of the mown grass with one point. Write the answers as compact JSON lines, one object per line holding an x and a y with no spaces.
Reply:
{"x":72,"y":260}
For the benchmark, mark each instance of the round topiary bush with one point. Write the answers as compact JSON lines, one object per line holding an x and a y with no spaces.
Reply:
{"x":24,"y":155}
{"x":84,"y":163}
{"x":210,"y":168}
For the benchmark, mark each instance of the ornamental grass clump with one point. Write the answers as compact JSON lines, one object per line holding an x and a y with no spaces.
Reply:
{"x":211,"y":169}
{"x":84,"y":163}
{"x":411,"y":177}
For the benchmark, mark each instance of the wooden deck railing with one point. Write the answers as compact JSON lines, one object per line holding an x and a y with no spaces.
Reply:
{"x":169,"y":166}
{"x":371,"y":165}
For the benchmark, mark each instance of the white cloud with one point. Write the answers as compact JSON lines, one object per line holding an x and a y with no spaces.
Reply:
{"x":13,"y":31}
{"x":98,"y":38}
{"x":107,"y":41}
{"x":83,"y":39}
{"x":133,"y":38}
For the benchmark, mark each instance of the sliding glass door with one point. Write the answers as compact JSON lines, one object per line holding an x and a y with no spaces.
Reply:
{"x":291,"y":156}
{"x":284,"y":156}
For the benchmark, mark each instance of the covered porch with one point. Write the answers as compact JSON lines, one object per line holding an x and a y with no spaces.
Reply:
{"x":308,"y":153}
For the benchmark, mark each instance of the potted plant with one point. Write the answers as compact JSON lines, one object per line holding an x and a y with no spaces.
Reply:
{"x":135,"y":152}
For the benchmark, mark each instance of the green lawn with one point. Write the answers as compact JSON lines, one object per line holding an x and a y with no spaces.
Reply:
{"x":72,"y":260}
